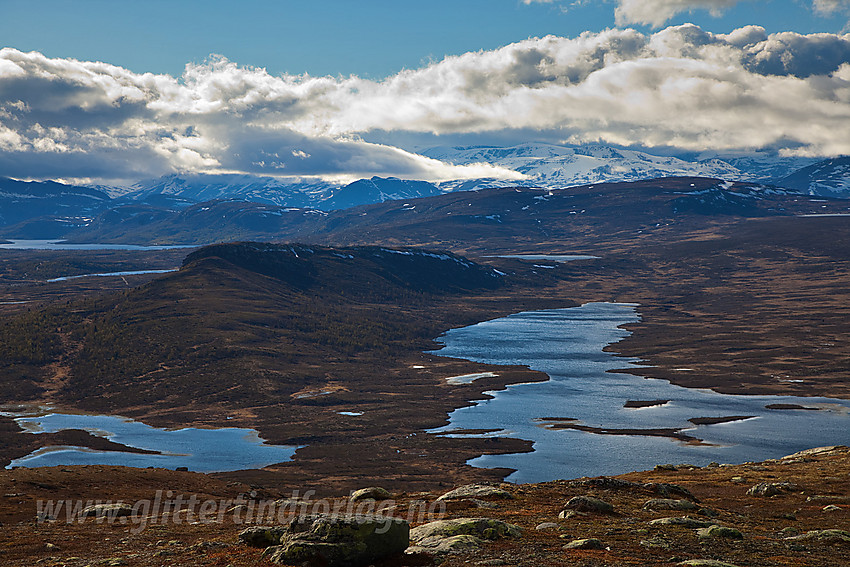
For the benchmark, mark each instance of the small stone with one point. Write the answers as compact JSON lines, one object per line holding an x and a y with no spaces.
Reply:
{"x":665,"y":467}
{"x":569,"y":514}
{"x":546,"y":526}
{"x":51,"y":547}
{"x":719,"y":531}
{"x":668,"y":504}
{"x":789,"y":532}
{"x":706,"y":563}
{"x":832,"y":508}
{"x":588,"y":543}
{"x":370,"y":493}
{"x":589,"y":504}
{"x":182,"y":469}
{"x":738,"y":480}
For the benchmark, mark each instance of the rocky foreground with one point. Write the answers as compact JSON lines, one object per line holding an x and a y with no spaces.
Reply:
{"x":789,"y":511}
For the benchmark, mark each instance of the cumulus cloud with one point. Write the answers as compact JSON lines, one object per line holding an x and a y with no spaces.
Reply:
{"x":680,"y":87}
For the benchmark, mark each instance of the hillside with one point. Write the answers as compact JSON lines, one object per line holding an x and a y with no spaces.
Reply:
{"x":277,"y":337}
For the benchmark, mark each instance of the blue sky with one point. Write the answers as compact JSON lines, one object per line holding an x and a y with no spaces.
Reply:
{"x":108,"y":91}
{"x":371,"y":38}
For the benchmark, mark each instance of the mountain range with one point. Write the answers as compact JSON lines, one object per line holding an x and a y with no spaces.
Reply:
{"x":259,"y":206}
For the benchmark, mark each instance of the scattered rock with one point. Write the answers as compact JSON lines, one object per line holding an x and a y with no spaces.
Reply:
{"x":107,"y":510}
{"x":772,"y":488}
{"x":660,"y":488}
{"x":715,"y":531}
{"x":370,"y":493}
{"x":546,"y":526}
{"x":340,"y":541}
{"x":589,"y":543}
{"x":738,"y":480}
{"x":262,"y":536}
{"x":182,"y":469}
{"x":684,"y":521}
{"x":706,"y":563}
{"x":51,"y":547}
{"x":476,"y":491}
{"x":666,"y":467}
{"x":589,"y":504}
{"x":831,"y":508}
{"x":669,"y":504}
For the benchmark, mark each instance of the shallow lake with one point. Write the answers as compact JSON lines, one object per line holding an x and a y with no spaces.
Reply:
{"x":61,"y":245}
{"x":201,"y":450}
{"x":567,"y":345}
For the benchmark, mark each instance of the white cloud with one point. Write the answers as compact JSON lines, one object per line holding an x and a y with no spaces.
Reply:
{"x":829,"y":7}
{"x":681,"y":87}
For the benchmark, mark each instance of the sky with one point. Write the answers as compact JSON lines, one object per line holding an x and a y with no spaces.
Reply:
{"x":108,"y":91}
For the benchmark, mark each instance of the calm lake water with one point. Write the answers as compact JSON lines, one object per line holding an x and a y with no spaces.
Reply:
{"x":567,"y":345}
{"x":201,"y":450}
{"x":61,"y":245}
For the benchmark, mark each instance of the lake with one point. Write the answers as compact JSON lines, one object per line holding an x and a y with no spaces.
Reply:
{"x":61,"y":245}
{"x":582,"y":391}
{"x":201,"y":450}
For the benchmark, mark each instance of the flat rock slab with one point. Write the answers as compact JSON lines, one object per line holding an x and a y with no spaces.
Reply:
{"x":484,"y":528}
{"x":476,"y":491}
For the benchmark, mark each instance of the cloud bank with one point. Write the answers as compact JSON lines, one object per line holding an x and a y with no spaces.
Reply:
{"x":680,"y":87}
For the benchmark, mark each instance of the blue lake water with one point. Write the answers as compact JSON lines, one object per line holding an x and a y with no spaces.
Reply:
{"x":61,"y":245}
{"x":201,"y":450}
{"x":567,"y":345}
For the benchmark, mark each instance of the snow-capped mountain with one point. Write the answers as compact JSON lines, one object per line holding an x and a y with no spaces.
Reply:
{"x":205,"y":187}
{"x":558,"y":167}
{"x":829,"y":178}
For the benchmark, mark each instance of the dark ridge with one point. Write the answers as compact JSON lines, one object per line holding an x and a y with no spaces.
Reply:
{"x":353,"y":269}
